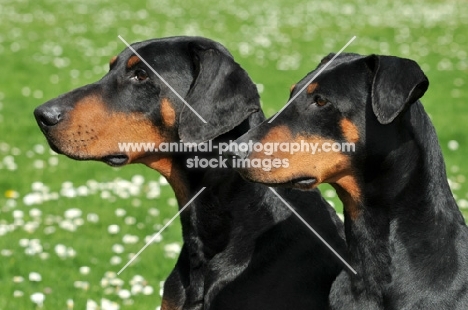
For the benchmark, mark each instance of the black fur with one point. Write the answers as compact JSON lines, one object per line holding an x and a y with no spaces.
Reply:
{"x":407,"y":240}
{"x":243,"y":249}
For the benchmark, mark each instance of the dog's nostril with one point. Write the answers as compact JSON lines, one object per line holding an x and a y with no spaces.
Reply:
{"x":48,"y":117}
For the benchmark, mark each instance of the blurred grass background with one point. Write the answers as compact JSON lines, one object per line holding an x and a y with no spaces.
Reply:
{"x":49,"y":47}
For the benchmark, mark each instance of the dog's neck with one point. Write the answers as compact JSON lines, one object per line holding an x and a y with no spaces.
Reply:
{"x":405,"y":194}
{"x":182,"y":169}
{"x":206,"y":221}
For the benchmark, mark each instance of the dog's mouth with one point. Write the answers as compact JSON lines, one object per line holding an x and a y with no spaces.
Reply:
{"x":115,"y":160}
{"x":53,"y":146}
{"x":303,"y":183}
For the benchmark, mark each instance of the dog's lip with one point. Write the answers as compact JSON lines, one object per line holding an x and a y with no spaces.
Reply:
{"x":303,"y":182}
{"x":115,"y":160}
{"x":54,"y":147}
{"x":300,"y":183}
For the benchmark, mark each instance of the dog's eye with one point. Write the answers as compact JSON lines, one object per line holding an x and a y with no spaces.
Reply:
{"x":319,"y":101}
{"x":140,"y":75}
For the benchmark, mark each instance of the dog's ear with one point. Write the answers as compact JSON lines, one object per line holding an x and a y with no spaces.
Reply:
{"x":326,"y":59}
{"x":222,"y":93}
{"x":397,"y":83}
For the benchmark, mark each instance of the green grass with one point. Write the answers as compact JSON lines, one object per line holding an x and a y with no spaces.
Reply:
{"x":49,"y":47}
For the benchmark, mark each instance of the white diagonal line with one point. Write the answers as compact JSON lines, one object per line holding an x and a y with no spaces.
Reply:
{"x":313,"y":230}
{"x":161,"y":230}
{"x":162,"y":79}
{"x":311,"y":80}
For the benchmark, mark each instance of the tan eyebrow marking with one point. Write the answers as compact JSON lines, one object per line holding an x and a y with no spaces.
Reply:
{"x":133,"y":61}
{"x":112,"y":61}
{"x":311,"y":88}
{"x":292,"y":88}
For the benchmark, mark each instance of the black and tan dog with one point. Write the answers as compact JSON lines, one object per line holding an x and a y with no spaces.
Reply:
{"x":242,"y":248}
{"x":406,"y":237}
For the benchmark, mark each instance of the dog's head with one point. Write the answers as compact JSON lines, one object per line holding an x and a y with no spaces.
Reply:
{"x":333,"y":122}
{"x":132,"y":104}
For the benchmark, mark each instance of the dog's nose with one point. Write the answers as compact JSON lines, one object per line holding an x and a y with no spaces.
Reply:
{"x":48,"y":116}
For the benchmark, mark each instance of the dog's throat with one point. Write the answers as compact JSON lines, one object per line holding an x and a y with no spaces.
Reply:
{"x":168,"y":168}
{"x":349,"y":192}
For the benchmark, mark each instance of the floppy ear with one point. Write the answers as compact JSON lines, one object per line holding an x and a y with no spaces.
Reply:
{"x":397,"y":83}
{"x":222,"y":93}
{"x":326,"y":59}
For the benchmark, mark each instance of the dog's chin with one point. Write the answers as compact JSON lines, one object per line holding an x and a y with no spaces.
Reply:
{"x":114,"y":160}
